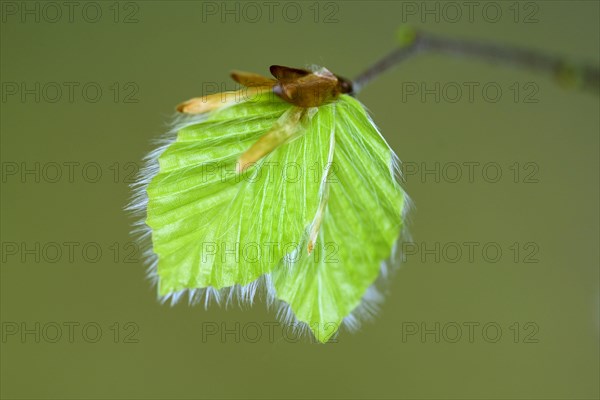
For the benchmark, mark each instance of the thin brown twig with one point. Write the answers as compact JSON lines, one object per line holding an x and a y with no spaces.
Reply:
{"x":584,"y":76}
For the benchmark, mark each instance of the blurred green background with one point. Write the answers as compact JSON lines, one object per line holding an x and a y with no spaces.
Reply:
{"x":146,"y":56}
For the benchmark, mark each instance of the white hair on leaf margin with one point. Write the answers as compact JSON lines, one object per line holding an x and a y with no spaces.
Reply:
{"x":263,"y":287}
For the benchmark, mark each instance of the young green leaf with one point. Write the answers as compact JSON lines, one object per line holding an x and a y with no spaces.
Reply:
{"x":303,"y":199}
